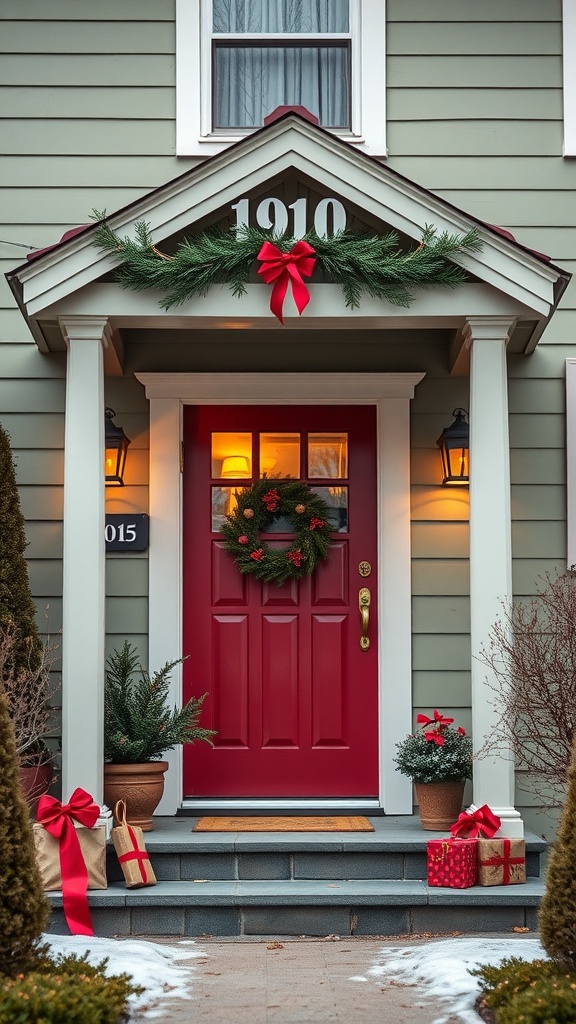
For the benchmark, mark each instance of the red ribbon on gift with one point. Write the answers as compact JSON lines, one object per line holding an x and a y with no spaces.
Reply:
{"x":504,"y":861}
{"x":135,"y":854}
{"x":57,"y":820}
{"x":472,"y":824}
{"x":283,"y":267}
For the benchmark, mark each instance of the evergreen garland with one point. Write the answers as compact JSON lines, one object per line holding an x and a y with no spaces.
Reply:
{"x":257,"y":507}
{"x":138,"y":723}
{"x":357,"y":262}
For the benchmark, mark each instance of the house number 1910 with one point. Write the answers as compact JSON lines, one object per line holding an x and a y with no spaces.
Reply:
{"x":273,"y":214}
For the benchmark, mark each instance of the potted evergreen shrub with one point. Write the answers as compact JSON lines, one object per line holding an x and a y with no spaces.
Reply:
{"x":438,"y":759}
{"x":139,"y":726}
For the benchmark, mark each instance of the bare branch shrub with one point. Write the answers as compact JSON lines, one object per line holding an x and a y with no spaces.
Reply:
{"x":29,"y":689}
{"x":532,"y":654}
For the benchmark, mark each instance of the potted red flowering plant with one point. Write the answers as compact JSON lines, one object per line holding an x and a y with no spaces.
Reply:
{"x":438,"y":759}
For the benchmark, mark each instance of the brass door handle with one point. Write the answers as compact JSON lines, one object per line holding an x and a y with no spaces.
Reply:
{"x":364,"y":598}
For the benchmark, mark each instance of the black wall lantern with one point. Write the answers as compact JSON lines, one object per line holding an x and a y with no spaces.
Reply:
{"x":116,"y":444}
{"x":454,"y":444}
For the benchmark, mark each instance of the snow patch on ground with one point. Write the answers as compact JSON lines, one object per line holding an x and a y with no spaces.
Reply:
{"x":150,"y":964}
{"x":439,"y":969}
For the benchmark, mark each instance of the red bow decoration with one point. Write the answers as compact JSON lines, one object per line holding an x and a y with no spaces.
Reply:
{"x":472,"y":824}
{"x":437,"y":721}
{"x":57,"y":820}
{"x":281,"y":267}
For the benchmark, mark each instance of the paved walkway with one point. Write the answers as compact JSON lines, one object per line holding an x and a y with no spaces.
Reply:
{"x":295,"y":981}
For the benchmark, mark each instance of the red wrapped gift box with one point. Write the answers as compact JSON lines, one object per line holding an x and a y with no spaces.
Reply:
{"x":452,"y":862}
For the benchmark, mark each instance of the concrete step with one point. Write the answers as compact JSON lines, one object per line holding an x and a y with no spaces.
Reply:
{"x":396,"y":849}
{"x":305,"y":907}
{"x":301,"y":883}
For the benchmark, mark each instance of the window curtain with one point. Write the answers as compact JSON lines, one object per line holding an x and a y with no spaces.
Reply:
{"x":250,"y":81}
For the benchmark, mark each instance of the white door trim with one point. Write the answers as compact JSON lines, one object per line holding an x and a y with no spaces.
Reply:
{"x":391,"y":394}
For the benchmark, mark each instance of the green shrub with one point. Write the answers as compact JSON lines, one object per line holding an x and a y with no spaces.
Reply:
{"x":557,"y":913}
{"x":23,"y":907}
{"x":16,"y":604}
{"x":65,"y":989}
{"x":550,"y":1001}
{"x":519,"y":992}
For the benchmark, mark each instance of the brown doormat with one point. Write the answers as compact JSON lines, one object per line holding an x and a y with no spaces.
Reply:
{"x":288,"y":824}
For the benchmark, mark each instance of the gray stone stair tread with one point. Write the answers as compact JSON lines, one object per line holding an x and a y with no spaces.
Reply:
{"x":309,"y":892}
{"x":391,"y":834}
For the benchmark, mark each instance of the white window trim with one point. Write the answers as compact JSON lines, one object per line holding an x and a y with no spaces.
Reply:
{"x":569,"y":75}
{"x":193,"y":80}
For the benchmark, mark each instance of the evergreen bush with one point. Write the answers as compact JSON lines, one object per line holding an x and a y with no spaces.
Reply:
{"x":16,"y":604}
{"x":139,"y":725}
{"x":557,"y":915}
{"x":23,"y":906}
{"x":522,"y":992}
{"x":65,"y":989}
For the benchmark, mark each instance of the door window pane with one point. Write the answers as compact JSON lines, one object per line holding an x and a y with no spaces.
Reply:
{"x":224,"y":501}
{"x":231,"y":456}
{"x":337,"y":500}
{"x":328,"y":456}
{"x":280,"y":455}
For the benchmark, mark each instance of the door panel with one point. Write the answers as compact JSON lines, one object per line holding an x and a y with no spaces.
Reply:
{"x":291,"y":693}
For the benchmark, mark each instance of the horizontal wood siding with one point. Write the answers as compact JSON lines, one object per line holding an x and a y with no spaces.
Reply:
{"x":80,"y":92}
{"x":475,"y":115}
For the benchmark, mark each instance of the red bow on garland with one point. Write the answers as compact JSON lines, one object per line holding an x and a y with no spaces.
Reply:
{"x":57,"y":820}
{"x":479,"y":822}
{"x":281,"y":267}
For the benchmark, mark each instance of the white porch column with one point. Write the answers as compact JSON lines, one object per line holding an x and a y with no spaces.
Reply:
{"x":165,"y":569}
{"x":490,"y":547}
{"x":84,"y":558}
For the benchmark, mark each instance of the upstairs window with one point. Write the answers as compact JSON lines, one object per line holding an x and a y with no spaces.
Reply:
{"x":280,"y":52}
{"x":237,"y":60}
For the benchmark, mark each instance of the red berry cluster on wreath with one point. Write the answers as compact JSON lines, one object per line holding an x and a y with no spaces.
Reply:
{"x":271,"y":500}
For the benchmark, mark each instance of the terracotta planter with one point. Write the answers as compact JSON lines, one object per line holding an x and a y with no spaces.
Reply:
{"x":439,"y":804}
{"x":35,"y":781}
{"x":140,"y":785}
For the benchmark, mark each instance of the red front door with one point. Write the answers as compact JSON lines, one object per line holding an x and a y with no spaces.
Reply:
{"x":292,"y":693}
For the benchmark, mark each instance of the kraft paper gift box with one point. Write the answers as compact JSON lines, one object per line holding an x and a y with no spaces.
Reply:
{"x":131,"y":850}
{"x":501,"y":861}
{"x":93,"y":846}
{"x":452,"y":862}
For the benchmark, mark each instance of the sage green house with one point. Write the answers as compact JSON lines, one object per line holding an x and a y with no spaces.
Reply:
{"x":385,"y":115}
